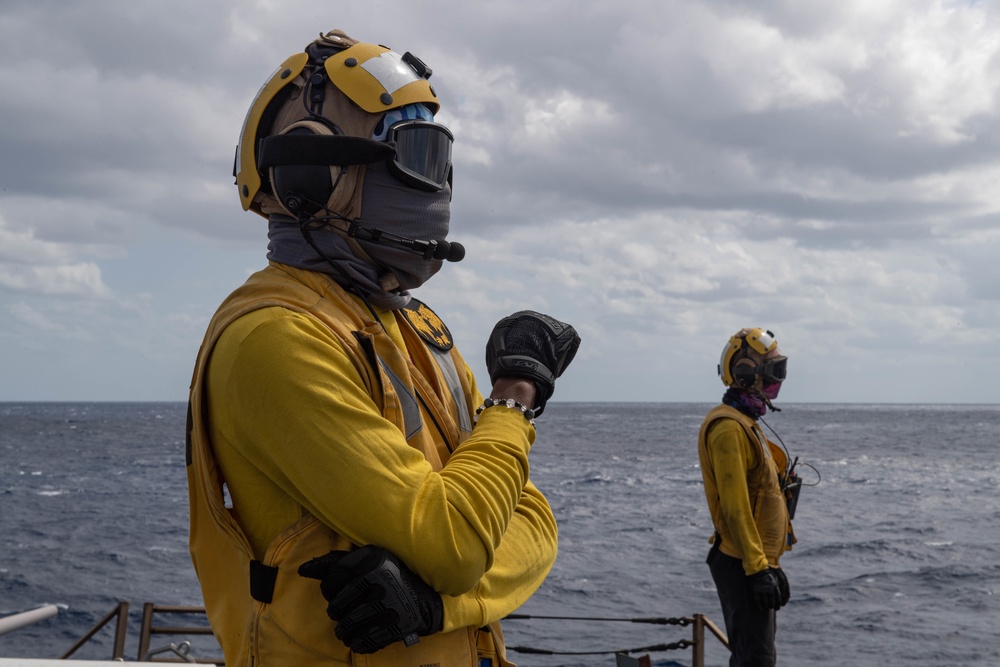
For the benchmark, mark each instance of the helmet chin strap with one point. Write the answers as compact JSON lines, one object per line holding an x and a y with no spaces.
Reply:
{"x":352,"y":230}
{"x":760,"y":392}
{"x":342,"y":226}
{"x":757,"y":387}
{"x":355,"y":288}
{"x":346,"y":229}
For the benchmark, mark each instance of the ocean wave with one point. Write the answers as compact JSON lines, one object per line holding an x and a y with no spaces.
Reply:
{"x":896,"y":562}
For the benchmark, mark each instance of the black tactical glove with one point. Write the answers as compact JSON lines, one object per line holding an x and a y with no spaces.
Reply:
{"x":764,"y":589}
{"x":783,"y":588}
{"x":532,"y":346}
{"x":375,"y":599}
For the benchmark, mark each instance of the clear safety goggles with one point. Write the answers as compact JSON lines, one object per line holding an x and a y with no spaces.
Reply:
{"x":422,"y":154}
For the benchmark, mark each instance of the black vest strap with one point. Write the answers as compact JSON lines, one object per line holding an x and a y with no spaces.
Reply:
{"x":716,"y":544}
{"x":262,"y":578}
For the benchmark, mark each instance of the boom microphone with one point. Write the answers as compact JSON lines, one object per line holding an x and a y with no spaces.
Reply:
{"x":449,"y":252}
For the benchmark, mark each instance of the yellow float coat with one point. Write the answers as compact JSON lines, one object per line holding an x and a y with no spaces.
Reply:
{"x":302,"y":411}
{"x":740,"y":468}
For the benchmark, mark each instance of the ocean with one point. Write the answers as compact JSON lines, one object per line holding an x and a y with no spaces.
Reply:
{"x":897,"y":561}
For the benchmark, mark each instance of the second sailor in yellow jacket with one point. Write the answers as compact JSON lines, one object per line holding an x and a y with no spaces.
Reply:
{"x":743,"y":475}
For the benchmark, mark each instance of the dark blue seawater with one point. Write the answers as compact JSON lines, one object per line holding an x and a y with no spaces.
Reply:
{"x":898,"y":561}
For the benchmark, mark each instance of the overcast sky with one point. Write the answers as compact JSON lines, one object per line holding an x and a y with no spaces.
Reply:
{"x":658,"y":173}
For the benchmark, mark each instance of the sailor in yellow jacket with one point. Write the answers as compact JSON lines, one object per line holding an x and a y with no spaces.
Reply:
{"x":744,"y":475}
{"x":354,"y":499}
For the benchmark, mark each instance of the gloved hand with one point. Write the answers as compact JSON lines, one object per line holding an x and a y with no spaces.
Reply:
{"x":374,"y":598}
{"x":783,"y":588}
{"x":532,"y":346}
{"x":764,"y":589}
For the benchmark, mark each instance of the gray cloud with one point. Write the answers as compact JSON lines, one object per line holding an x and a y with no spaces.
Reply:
{"x":661,"y":173}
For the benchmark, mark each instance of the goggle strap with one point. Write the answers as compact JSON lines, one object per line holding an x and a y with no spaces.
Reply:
{"x":301,"y":149}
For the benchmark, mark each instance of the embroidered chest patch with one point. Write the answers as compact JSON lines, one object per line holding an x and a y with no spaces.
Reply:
{"x":428,"y":325}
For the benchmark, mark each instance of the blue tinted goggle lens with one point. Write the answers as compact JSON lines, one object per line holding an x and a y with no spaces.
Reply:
{"x":423,"y":153}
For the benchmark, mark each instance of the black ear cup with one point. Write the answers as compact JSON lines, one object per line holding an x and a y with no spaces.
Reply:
{"x":303,"y":189}
{"x":745,"y":372}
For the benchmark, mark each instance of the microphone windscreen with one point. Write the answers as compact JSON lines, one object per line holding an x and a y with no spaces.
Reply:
{"x":450,"y":252}
{"x":456,"y":252}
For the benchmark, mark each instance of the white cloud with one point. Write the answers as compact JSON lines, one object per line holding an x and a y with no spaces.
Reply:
{"x":947,"y":60}
{"x":29,"y":265}
{"x":559,"y":119}
{"x":71,"y":279}
{"x":32,"y":317}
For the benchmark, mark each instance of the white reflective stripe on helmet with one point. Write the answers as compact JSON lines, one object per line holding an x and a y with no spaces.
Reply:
{"x":389,"y":70}
{"x":388,"y":82}
{"x":761,"y":341}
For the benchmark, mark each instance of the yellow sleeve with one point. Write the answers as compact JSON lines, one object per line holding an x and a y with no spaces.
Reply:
{"x":523,"y":560}
{"x":302,"y":425}
{"x":731,"y":457}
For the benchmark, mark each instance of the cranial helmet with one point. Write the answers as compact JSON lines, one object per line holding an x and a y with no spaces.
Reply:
{"x":309,"y":132}
{"x":743,"y":360}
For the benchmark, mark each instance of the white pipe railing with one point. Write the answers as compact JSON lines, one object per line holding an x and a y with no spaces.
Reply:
{"x":18,"y":621}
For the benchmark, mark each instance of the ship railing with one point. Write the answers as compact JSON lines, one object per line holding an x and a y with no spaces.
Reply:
{"x":148,"y":629}
{"x":180,"y":652}
{"x":624,"y":657}
{"x":25,"y":618}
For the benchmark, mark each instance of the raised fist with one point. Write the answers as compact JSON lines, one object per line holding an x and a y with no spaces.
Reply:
{"x":532,"y":346}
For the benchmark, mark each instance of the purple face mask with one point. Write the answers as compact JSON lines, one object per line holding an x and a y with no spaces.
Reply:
{"x":771,"y":390}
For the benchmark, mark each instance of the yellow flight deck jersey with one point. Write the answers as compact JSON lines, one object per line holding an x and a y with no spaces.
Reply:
{"x":313,"y":427}
{"x":740,"y":468}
